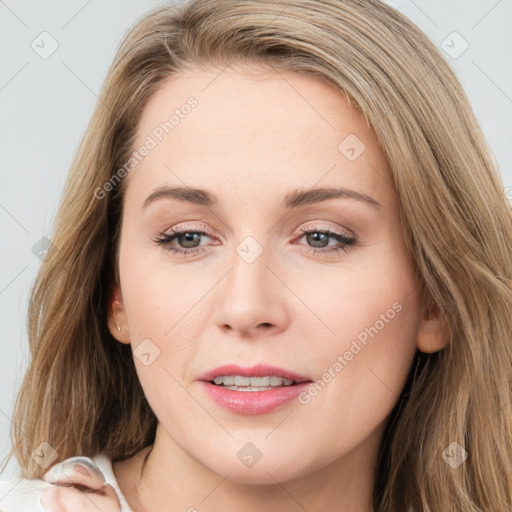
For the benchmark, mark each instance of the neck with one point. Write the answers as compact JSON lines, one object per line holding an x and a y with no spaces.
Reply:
{"x":163,"y":477}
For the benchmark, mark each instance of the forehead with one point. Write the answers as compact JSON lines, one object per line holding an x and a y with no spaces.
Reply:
{"x":248,"y":131}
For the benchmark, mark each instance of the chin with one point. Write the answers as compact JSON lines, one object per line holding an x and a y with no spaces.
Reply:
{"x":263,"y":472}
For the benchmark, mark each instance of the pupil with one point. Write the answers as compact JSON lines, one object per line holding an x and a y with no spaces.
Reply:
{"x":316,"y":236}
{"x":189,"y":237}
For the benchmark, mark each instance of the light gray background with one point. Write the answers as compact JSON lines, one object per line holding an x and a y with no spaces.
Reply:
{"x":45,"y":105}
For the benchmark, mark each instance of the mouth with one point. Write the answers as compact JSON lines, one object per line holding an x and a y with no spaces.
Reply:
{"x":253,"y":391}
{"x":261,"y":377}
{"x":241,"y":383}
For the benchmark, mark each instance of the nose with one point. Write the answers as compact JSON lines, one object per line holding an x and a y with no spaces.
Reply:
{"x":252,"y":299}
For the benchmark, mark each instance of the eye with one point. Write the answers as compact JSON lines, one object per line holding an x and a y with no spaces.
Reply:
{"x":190,"y":240}
{"x":187,"y":238}
{"x":321,"y":240}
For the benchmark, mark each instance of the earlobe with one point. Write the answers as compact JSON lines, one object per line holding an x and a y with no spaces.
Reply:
{"x":433,"y":332}
{"x":117,"y":317}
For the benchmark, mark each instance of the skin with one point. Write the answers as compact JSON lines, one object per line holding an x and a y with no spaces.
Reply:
{"x":289,"y":307}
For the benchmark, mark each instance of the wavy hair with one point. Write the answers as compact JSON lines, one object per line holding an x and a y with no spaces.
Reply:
{"x":81,"y":393}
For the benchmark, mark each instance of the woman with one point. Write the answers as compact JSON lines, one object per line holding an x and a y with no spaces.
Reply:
{"x":280,"y":277}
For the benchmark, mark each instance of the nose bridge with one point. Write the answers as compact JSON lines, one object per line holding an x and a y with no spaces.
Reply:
{"x":249,"y":274}
{"x":250,"y":295}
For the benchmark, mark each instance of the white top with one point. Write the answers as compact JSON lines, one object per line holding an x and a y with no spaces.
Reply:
{"x":24,"y":495}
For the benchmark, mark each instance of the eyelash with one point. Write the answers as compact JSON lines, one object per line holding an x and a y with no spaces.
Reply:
{"x":164,"y":239}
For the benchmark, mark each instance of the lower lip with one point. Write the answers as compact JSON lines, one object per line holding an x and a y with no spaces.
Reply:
{"x":253,"y":402}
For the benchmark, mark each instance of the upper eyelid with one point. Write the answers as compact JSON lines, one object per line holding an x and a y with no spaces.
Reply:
{"x":185,"y":228}
{"x":201,"y":226}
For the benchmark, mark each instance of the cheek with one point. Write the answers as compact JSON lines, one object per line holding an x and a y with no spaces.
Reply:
{"x":372,"y":295}
{"x":366,"y":339}
{"x":361,"y":369}
{"x":370,"y":343}
{"x":163,"y":311}
{"x":156,"y":293}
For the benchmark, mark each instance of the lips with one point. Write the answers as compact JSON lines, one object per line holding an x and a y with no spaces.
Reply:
{"x":251,"y":401}
{"x":259,"y":370}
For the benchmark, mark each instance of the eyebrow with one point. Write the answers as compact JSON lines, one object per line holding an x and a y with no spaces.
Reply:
{"x":292,"y":200}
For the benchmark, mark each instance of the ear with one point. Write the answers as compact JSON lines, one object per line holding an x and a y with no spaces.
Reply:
{"x":433,"y":332}
{"x":117,"y":324}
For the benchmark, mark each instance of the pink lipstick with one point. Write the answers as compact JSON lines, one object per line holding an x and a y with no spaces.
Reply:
{"x":253,"y":390}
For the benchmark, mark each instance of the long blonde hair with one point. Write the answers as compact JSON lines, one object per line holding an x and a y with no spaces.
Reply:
{"x":81,"y":393}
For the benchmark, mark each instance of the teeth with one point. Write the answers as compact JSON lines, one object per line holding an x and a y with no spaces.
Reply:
{"x":242,"y":381}
{"x":249,"y":388}
{"x":251,"y":382}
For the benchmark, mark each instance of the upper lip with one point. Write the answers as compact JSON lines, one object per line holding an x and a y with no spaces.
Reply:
{"x":259,"y":370}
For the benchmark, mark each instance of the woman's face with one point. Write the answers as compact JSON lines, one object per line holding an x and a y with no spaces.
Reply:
{"x":263,"y":282}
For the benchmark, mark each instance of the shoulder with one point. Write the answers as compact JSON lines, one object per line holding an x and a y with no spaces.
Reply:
{"x":24,"y":495}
